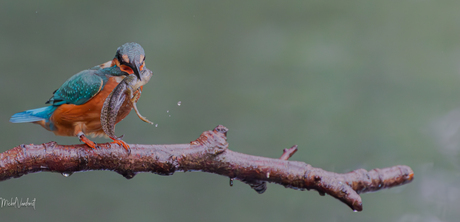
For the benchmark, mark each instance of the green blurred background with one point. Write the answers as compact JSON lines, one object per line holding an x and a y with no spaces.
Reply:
{"x":356,"y":84}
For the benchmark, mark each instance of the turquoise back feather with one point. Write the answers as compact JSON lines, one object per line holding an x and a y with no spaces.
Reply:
{"x":79,"y":88}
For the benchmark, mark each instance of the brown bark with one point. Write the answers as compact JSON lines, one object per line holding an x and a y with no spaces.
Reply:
{"x":208,"y":153}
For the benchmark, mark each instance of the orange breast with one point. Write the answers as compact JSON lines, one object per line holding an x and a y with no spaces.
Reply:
{"x":70,"y":119}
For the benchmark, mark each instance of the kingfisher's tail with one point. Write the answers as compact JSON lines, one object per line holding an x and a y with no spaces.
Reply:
{"x":33,"y":115}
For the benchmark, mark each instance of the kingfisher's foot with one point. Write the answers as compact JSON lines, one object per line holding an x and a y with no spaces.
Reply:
{"x":122,"y":143}
{"x":85,"y":140}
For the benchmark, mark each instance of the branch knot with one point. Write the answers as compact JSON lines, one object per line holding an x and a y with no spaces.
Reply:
{"x":214,"y":141}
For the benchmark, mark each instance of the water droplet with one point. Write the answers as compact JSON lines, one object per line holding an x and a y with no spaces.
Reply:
{"x":355,"y":211}
{"x":156,"y":125}
{"x":66,"y":174}
{"x":36,"y":11}
{"x":167,"y":111}
{"x":231,"y":182}
{"x":268,"y":175}
{"x":169,"y":115}
{"x":179,"y":103}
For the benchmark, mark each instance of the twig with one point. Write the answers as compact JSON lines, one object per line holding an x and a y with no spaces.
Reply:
{"x":208,"y":153}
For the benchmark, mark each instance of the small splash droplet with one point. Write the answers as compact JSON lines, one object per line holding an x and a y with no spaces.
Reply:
{"x":231,"y":182}
{"x":355,"y":211}
{"x":156,"y":125}
{"x":36,"y":12}
{"x":169,"y":115}
{"x":268,"y":175}
{"x":179,"y":103}
{"x":167,"y":111}
{"x":66,"y":174}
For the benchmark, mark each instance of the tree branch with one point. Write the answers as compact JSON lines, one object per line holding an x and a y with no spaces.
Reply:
{"x":208,"y":153}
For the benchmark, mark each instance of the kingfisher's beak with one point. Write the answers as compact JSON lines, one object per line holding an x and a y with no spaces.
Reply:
{"x":135,"y":68}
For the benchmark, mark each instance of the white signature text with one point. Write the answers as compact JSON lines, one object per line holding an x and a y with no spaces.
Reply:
{"x":17,"y":202}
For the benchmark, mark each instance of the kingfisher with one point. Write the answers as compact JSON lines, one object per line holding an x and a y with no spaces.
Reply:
{"x":75,"y":108}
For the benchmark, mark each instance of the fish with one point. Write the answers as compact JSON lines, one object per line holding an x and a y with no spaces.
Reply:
{"x":129,"y":87}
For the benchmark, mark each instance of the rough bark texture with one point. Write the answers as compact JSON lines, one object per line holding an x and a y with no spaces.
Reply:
{"x":208,"y":153}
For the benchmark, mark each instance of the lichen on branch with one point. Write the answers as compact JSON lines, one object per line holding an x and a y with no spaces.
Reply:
{"x":209,"y":153}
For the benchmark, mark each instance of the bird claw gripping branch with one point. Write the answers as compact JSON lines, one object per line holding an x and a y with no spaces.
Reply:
{"x":129,"y":87}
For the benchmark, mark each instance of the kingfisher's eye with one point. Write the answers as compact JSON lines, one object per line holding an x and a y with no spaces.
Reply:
{"x":127,"y":69}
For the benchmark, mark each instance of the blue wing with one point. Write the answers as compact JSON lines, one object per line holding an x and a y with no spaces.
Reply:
{"x":80,"y":88}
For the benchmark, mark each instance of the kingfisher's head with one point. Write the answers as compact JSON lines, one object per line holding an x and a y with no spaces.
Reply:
{"x":130,"y":58}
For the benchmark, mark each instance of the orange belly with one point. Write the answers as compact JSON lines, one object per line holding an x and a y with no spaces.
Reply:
{"x":70,"y":119}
